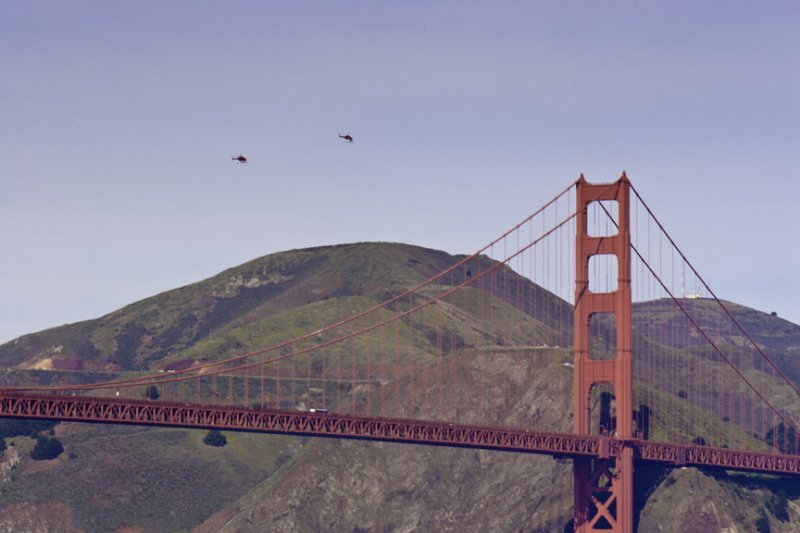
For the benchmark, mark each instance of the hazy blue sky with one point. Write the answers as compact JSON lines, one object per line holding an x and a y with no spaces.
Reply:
{"x":118,"y":120}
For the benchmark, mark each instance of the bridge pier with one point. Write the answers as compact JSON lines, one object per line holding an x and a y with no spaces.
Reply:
{"x":603,"y":493}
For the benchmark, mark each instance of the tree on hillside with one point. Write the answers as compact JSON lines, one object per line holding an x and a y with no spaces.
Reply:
{"x":152,"y":393}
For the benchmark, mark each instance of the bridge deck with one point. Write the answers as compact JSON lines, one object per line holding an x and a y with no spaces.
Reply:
{"x":158,"y":413}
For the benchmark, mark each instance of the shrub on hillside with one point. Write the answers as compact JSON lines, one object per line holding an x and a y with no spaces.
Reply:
{"x":215,"y":438}
{"x":762,"y":524}
{"x":785,"y":441}
{"x":46,"y":448}
{"x":14,"y":427}
{"x":779,"y":505}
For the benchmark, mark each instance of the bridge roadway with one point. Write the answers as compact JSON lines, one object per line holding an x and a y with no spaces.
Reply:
{"x":322,"y":424}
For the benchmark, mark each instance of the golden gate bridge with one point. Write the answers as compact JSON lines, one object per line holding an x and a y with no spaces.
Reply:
{"x":590,"y":288}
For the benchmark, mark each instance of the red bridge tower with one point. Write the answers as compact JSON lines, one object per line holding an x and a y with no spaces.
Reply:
{"x":603,"y":487}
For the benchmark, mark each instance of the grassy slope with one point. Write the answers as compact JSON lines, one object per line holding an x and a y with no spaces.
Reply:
{"x":152,"y":478}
